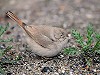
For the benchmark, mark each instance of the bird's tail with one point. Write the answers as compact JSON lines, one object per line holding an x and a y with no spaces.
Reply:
{"x":15,"y":18}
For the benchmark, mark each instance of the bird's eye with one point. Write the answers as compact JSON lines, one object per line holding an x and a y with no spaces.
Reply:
{"x":61,"y":35}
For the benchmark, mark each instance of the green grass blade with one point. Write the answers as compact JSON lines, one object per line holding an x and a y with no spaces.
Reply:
{"x":2,"y":72}
{"x":71,"y":51}
{"x":89,"y":35}
{"x":8,"y":40}
{"x":78,"y":37}
{"x":2,"y":29}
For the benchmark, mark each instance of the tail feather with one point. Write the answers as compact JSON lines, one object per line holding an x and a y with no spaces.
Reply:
{"x":15,"y":18}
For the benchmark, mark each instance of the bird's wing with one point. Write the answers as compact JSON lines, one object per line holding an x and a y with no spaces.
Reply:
{"x":53,"y":33}
{"x":37,"y":36}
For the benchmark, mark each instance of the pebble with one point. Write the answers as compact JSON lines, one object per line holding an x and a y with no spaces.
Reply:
{"x":56,"y":73}
{"x":32,"y":65}
{"x":71,"y":72}
{"x":61,"y":74}
{"x":94,"y":70}
{"x":8,"y":32}
{"x":18,"y":38}
{"x":2,"y":47}
{"x":9,"y":73}
{"x":24,"y":74}
{"x":12,"y":27}
{"x":60,"y":56}
{"x":46,"y":69}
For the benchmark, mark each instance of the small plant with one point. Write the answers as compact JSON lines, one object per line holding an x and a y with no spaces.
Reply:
{"x":87,"y":48}
{"x":4,"y":49}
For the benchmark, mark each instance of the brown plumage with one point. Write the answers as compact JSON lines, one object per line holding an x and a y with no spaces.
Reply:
{"x":44,"y":40}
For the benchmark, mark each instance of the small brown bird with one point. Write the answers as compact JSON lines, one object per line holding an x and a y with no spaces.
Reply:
{"x":44,"y":40}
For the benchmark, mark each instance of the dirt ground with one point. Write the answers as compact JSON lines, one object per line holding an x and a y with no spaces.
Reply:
{"x":66,"y":14}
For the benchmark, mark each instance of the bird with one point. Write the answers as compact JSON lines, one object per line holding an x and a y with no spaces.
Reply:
{"x":44,"y":40}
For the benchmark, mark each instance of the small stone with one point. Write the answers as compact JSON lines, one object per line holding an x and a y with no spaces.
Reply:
{"x":94,"y":70}
{"x":18,"y":38}
{"x":69,"y":35}
{"x":46,"y":69}
{"x":61,"y":74}
{"x":8,"y":32}
{"x":71,"y":72}
{"x":32,"y":65}
{"x":9,"y":73}
{"x":56,"y":73}
{"x":60,"y":56}
{"x":2,"y":47}
{"x":24,"y":74}
{"x":63,"y":71}
{"x":12,"y":27}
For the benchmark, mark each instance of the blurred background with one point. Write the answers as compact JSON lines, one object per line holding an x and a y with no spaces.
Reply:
{"x":67,"y":14}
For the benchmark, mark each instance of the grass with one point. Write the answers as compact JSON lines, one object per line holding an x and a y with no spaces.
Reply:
{"x":88,"y":48}
{"x":3,"y":50}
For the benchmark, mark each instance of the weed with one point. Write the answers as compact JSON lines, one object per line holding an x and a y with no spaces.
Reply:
{"x":87,"y":48}
{"x":4,"y":49}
